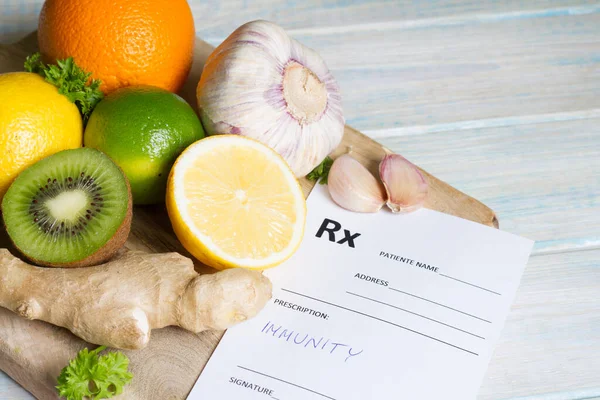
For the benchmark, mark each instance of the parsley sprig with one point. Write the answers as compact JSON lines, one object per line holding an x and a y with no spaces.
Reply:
{"x":90,"y":376}
{"x":321,"y":171}
{"x":71,"y":81}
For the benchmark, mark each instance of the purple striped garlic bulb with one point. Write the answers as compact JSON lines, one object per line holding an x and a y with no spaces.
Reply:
{"x":265,"y":85}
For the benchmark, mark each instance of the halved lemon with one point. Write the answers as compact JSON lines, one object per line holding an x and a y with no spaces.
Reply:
{"x":234,"y":202}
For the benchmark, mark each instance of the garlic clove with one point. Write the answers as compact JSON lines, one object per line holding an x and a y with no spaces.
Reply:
{"x":405,"y":185}
{"x":353,"y":187}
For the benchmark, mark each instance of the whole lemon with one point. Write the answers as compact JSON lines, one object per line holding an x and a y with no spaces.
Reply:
{"x":35,"y":121}
{"x":143,"y":129}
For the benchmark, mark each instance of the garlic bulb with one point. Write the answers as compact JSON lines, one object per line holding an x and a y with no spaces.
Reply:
{"x":261,"y":83}
{"x":405,"y":185}
{"x":353,"y":187}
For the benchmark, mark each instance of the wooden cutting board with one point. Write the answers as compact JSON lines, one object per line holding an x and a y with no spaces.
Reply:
{"x":33,"y":353}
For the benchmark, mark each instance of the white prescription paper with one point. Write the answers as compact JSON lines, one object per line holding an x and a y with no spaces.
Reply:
{"x":412,"y":311}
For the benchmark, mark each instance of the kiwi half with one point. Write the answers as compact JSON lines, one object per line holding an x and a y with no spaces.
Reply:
{"x":71,"y":209}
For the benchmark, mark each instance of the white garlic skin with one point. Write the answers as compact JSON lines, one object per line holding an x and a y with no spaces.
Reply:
{"x":261,"y":83}
{"x":404,"y":184}
{"x":353,"y":187}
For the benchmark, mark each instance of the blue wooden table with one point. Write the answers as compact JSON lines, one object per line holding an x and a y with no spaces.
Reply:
{"x":501,"y":99}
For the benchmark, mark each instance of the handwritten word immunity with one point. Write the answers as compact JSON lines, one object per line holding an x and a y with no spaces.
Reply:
{"x":322,"y":344}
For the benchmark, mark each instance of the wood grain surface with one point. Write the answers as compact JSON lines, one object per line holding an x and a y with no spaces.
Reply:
{"x":169,"y":366}
{"x":502,"y":100}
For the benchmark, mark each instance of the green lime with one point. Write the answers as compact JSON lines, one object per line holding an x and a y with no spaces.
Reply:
{"x":143,"y":129}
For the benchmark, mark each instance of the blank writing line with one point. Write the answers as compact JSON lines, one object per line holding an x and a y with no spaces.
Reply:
{"x":289,"y":383}
{"x":441,"y":305}
{"x":470,"y":284}
{"x":414,"y":313}
{"x":383,"y":320}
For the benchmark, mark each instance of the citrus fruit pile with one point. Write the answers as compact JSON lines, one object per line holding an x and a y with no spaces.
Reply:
{"x":106,"y":79}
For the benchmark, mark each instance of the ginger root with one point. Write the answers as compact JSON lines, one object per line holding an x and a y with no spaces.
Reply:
{"x":118,"y":303}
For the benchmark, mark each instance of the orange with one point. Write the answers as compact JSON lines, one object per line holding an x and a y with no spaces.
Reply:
{"x":121,"y":42}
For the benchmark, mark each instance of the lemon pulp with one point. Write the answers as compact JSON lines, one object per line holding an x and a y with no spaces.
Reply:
{"x":234,"y":202}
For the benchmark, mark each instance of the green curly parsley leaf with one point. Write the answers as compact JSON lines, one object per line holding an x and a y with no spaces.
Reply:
{"x":90,"y":376}
{"x":321,"y":171}
{"x":70,"y":80}
{"x":34,"y":64}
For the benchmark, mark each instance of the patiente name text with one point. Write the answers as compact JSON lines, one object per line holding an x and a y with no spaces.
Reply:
{"x":409,"y":261}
